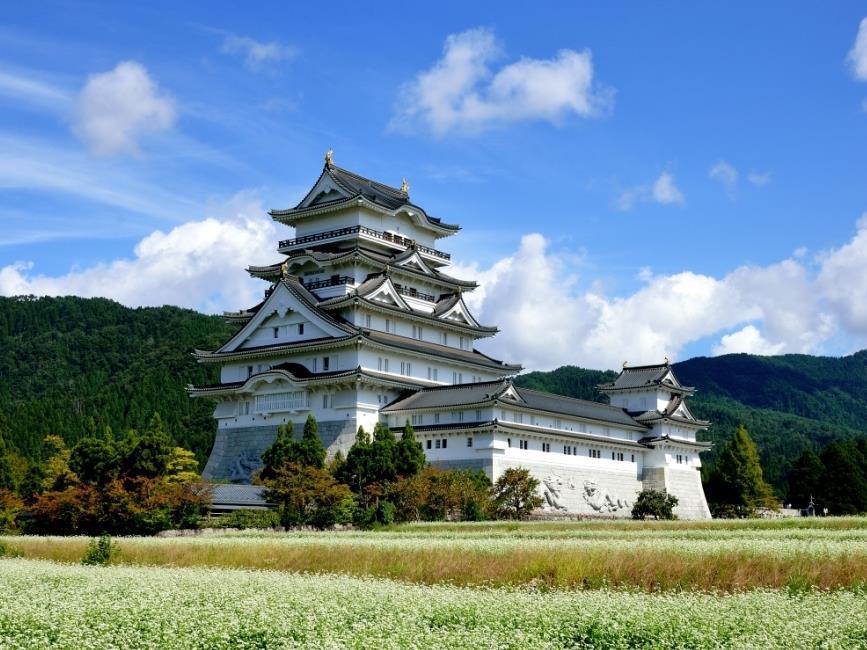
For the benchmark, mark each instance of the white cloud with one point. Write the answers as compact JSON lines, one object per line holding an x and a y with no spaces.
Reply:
{"x":663,"y":191}
{"x":858,"y":54}
{"x":257,"y":53}
{"x":199,"y":264}
{"x":117,"y":107}
{"x":759,"y":179}
{"x":547,"y":321}
{"x":749,"y":340}
{"x":725,"y":174}
{"x":461,"y":93}
{"x":25,"y":87}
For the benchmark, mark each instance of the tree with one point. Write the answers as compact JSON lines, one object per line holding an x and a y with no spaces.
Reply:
{"x":94,"y":461}
{"x":383,"y":466}
{"x":736,"y":487}
{"x":182,"y":466}
{"x":804,"y":479}
{"x":656,"y":504}
{"x":7,"y":470}
{"x":146,"y":455}
{"x":515,"y":494}
{"x":57,"y":475}
{"x":307,"y":495}
{"x":409,"y":454}
{"x":843,"y":486}
{"x":279,"y":453}
{"x":310,"y":451}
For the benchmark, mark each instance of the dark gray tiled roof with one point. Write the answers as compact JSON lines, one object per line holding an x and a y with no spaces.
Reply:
{"x":644,"y":377}
{"x":445,"y":303}
{"x":239,"y":495}
{"x":358,"y":186}
{"x":488,"y":392}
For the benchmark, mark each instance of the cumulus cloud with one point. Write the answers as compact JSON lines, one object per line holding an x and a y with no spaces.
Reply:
{"x":663,"y":191}
{"x":257,"y":53}
{"x":726,"y":175}
{"x":462,"y":93}
{"x":749,"y":340}
{"x":198,"y":264}
{"x":115,"y":108}
{"x":547,"y":321}
{"x":857,"y":57}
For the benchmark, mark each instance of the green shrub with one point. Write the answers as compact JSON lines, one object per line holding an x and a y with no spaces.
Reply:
{"x":99,"y":551}
{"x":8,"y":551}
{"x":244,"y":519}
{"x":655,"y":504}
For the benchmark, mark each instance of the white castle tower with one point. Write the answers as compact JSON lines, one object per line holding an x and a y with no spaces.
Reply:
{"x":359,"y":325}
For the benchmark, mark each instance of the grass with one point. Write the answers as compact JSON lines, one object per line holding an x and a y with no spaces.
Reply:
{"x":653,"y":556}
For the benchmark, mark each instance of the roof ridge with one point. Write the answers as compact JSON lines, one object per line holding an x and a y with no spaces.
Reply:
{"x":568,"y":398}
{"x":394,"y":190}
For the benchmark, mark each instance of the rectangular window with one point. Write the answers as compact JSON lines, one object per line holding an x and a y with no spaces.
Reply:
{"x":558,"y":424}
{"x":417,"y":332}
{"x":462,"y":343}
{"x":509,"y":441}
{"x":246,"y":408}
{"x":315,"y":367}
{"x":388,"y":327}
{"x":249,"y":371}
{"x":478,"y":415}
{"x":546,"y":446}
{"x":417,"y":419}
{"x":523,"y":444}
{"x":405,"y":368}
{"x":429,"y":443}
{"x":276,"y":332}
{"x":277,"y":402}
{"x":326,"y":363}
{"x":431,"y":373}
{"x":444,"y":338}
{"x":469,"y":442}
{"x":436,"y":418}
{"x":445,"y":442}
{"x":633,"y":458}
{"x":300,"y":329}
{"x":458,"y":416}
{"x":595,"y":453}
{"x":518,"y":417}
{"x":325,"y":401}
{"x":367,"y":321}
{"x":438,"y":443}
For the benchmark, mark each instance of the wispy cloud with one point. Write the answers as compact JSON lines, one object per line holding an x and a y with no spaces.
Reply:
{"x":663,"y":190}
{"x":461,"y":93}
{"x":257,"y":53}
{"x":759,"y":179}
{"x":857,"y":56}
{"x":726,"y":175}
{"x":26,"y":87}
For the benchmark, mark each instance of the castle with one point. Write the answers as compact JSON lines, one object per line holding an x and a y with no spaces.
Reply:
{"x":360,"y":324}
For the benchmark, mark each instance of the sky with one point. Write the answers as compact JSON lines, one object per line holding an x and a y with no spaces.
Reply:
{"x":666,"y":179}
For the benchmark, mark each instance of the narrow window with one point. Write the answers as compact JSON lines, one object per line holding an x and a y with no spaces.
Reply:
{"x":417,"y":419}
{"x":633,"y":458}
{"x":325,"y":401}
{"x":300,"y":329}
{"x":509,"y":441}
{"x":445,"y":442}
{"x":436,"y":418}
{"x":379,"y":364}
{"x":428,"y":443}
{"x":249,"y":371}
{"x":439,"y":443}
{"x":388,"y":325}
{"x":326,"y":362}
{"x":246,"y":408}
{"x":276,"y":332}
{"x":315,"y":364}
{"x":469,"y":442}
{"x":367,"y":321}
{"x":478,"y":415}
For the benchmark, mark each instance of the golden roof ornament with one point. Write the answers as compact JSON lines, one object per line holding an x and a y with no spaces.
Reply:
{"x":329,"y":157}
{"x":625,"y":363}
{"x":284,"y":269}
{"x":667,"y":362}
{"x":404,"y":186}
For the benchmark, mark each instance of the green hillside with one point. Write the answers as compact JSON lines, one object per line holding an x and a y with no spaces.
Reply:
{"x":788,"y":403}
{"x":69,"y":364}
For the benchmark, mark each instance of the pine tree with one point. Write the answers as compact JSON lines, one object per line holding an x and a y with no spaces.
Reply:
{"x":383,"y":467}
{"x":736,"y":487}
{"x":409,"y":454}
{"x":310,"y":451}
{"x":843,"y":487}
{"x":279,"y":452}
{"x":7,"y":471}
{"x":804,"y":479}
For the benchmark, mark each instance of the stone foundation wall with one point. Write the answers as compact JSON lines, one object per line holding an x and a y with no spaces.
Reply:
{"x":237,"y":452}
{"x":580,"y":491}
{"x":685,"y":484}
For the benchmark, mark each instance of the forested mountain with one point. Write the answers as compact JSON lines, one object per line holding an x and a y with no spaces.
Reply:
{"x":69,"y":365}
{"x":72,"y":365}
{"x":788,"y":403}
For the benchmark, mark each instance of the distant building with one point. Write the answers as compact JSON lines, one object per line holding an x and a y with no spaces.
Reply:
{"x":359,"y":325}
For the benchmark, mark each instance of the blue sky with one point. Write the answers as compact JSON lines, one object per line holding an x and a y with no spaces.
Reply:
{"x":662,"y":179}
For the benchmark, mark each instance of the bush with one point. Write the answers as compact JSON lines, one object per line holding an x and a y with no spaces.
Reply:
{"x":515,"y":494}
{"x":8,"y":551}
{"x":244,"y":519}
{"x":307,"y":495}
{"x":99,"y":551}
{"x":655,"y":504}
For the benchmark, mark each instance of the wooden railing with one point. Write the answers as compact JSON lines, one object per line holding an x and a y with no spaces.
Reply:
{"x":363,"y":230}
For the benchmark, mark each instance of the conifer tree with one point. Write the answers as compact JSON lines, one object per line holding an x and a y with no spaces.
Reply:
{"x":279,"y":453}
{"x":804,"y":479}
{"x":843,"y":486}
{"x":736,"y":487}
{"x":310,"y":450}
{"x":7,"y":472}
{"x":409,"y":455}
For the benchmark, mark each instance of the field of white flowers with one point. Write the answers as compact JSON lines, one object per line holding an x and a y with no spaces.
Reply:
{"x":49,"y":605}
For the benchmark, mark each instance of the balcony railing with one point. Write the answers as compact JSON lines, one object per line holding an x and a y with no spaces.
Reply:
{"x":414,"y":293}
{"x":333,"y":281}
{"x":362,"y":230}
